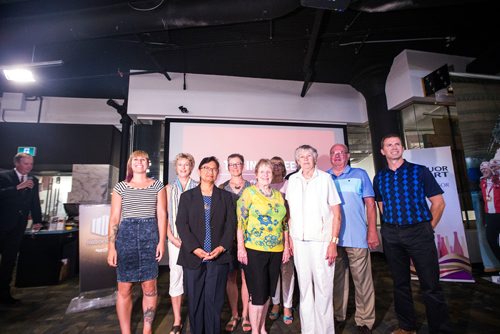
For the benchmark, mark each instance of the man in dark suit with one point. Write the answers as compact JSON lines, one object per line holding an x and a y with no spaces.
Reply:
{"x":206,"y":222}
{"x":18,"y":199}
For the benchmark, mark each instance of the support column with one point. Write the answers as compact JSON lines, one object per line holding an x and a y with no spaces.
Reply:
{"x":147,"y":137}
{"x":370,"y":82}
{"x":126,"y":121}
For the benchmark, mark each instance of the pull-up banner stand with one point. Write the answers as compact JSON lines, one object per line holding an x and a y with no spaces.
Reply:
{"x":454,"y":263}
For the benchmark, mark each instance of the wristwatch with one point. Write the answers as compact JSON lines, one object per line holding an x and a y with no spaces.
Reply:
{"x":335,"y":240}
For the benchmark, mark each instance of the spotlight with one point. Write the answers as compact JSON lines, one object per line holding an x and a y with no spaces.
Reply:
{"x":183,"y":109}
{"x":121,"y":109}
{"x":113,"y":103}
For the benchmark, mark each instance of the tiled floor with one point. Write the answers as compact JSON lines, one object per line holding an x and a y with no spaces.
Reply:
{"x":474,"y":308}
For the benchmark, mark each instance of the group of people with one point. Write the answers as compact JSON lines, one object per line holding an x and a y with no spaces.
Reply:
{"x":490,"y":189}
{"x":317,"y":225}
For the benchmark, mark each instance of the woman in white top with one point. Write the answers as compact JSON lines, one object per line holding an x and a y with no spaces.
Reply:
{"x":184,"y":164}
{"x":137,"y":233}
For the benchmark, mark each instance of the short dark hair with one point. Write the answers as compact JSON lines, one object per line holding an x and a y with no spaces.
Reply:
{"x":236,"y":155}
{"x":206,"y":160}
{"x":387,"y":136}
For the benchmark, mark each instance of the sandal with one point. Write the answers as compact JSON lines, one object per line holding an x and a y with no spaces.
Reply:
{"x":288,"y":319}
{"x":274,"y":315}
{"x":176,"y":329}
{"x":247,"y":327}
{"x":232,"y":324}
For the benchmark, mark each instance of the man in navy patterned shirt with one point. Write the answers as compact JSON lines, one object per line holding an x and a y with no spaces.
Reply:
{"x":407,"y":232}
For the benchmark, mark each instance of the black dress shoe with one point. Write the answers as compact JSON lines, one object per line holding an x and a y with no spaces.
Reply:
{"x":364,"y":330}
{"x":8,"y":300}
{"x":339,"y":324}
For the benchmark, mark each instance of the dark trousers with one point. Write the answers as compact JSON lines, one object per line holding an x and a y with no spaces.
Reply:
{"x":264,"y":270}
{"x":492,"y":232}
{"x":205,"y":289}
{"x":415,"y":242}
{"x":10,"y":242}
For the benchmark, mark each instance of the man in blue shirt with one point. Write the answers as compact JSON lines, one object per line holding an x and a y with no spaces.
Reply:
{"x":407,"y":232}
{"x":358,"y":208}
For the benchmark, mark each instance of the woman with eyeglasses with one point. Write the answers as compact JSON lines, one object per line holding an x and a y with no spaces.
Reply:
{"x":184,"y":164}
{"x":206,"y":224}
{"x":137,"y":235}
{"x":286,"y":281}
{"x":262,"y":241}
{"x":235,"y":185}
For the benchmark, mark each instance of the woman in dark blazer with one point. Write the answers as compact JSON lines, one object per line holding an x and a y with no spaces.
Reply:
{"x":206,"y":222}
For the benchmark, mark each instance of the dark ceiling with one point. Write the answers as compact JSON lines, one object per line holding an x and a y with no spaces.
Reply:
{"x":99,"y":41}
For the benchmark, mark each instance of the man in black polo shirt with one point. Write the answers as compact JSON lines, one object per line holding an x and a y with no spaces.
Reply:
{"x":407,"y":232}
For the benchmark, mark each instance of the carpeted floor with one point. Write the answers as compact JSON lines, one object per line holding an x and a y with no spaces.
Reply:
{"x":474,"y":308}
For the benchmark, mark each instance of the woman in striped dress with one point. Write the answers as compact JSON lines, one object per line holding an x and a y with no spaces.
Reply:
{"x":184,"y":164}
{"x":137,"y":234}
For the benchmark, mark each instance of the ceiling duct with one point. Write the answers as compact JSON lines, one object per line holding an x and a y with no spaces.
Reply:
{"x":122,"y":19}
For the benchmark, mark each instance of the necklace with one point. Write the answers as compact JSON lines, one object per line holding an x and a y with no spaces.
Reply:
{"x":237,"y":186}
{"x":267,"y":193}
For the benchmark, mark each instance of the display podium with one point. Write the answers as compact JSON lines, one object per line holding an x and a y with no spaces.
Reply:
{"x":97,"y":279}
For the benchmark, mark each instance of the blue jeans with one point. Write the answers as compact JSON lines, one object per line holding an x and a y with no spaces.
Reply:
{"x":416,"y":242}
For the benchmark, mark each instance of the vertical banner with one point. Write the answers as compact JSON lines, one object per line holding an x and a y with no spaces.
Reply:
{"x":454,"y":263}
{"x":95,"y":274}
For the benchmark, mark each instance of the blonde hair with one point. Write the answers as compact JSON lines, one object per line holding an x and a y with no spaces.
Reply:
{"x":263,"y":162}
{"x":186,"y":156}
{"x":282,"y":162}
{"x":133,"y":155}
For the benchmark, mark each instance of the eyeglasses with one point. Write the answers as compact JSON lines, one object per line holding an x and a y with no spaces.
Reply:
{"x":237,"y":164}
{"x":338,"y":152}
{"x":207,"y":169}
{"x":279,"y":164}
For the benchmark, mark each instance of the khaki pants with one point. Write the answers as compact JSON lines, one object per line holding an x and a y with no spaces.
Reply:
{"x":358,"y":262}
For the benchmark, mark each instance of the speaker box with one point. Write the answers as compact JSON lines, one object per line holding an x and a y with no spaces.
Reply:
{"x":437,"y":80}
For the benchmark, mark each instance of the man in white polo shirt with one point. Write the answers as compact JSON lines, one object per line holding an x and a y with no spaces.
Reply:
{"x":314,"y":228}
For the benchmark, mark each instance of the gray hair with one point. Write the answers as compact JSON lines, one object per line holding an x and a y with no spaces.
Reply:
{"x":306,"y":148}
{"x":19,"y":156}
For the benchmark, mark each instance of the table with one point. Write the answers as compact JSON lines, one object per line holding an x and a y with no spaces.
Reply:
{"x":47,"y":258}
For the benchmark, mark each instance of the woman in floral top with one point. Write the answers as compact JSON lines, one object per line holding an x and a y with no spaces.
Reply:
{"x":262,"y":241}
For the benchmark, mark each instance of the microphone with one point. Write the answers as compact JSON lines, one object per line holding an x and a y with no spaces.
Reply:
{"x":28,"y":177}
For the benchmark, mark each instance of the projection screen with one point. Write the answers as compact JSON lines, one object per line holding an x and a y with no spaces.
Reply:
{"x":254,"y":141}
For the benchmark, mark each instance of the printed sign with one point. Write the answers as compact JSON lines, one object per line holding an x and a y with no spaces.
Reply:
{"x":454,"y":263}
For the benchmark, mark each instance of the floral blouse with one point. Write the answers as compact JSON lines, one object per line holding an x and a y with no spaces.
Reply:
{"x":261,"y":219}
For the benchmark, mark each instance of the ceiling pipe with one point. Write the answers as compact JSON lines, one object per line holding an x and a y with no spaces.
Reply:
{"x":311,"y":52}
{"x":121,"y":19}
{"x":381,"y":6}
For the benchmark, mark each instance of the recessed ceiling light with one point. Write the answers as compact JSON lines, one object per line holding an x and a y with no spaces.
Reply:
{"x":19,"y":75}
